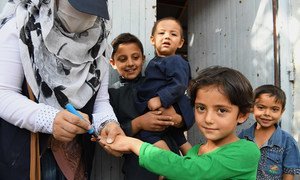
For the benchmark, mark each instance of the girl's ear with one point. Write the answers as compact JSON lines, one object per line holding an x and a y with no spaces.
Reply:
{"x":242,"y":118}
{"x":113,"y":63}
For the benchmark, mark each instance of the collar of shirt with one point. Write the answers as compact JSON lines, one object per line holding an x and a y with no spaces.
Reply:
{"x":275,"y":140}
{"x":125,"y":81}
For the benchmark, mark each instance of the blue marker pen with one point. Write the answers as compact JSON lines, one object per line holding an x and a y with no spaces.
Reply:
{"x":72,"y":110}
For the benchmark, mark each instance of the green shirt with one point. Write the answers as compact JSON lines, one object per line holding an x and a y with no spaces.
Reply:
{"x":237,"y":160}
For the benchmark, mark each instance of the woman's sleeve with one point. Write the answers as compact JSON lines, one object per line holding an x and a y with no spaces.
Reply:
{"x":16,"y":108}
{"x":103,"y":111}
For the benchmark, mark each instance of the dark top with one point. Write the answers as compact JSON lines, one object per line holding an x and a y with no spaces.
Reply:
{"x":168,"y":78}
{"x":122,"y":100}
{"x":279,"y":155}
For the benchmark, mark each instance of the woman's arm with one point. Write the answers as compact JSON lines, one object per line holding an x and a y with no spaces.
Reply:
{"x":103,"y":111}
{"x":16,"y":108}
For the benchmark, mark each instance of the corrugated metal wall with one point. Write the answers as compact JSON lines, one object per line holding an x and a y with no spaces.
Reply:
{"x":136,"y":17}
{"x":239,"y":34}
{"x":288,"y":36}
{"x":294,"y":36}
{"x":232,"y":33}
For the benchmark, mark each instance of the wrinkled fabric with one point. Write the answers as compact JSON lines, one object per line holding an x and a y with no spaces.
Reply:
{"x":56,"y":61}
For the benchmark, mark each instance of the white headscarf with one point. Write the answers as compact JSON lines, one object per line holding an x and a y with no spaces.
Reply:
{"x":57,"y":62}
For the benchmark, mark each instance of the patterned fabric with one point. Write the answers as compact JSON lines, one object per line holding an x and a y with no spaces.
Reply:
{"x":55,"y":61}
{"x":279,"y":155}
{"x":68,"y":158}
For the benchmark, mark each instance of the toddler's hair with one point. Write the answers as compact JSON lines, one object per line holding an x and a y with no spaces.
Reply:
{"x":164,"y":19}
{"x":230,"y":82}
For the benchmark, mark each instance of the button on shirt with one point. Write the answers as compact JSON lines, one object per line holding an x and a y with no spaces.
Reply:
{"x":279,"y":155}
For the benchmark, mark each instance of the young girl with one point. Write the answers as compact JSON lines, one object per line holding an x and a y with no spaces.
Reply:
{"x":280,"y":157}
{"x":166,"y":79}
{"x":222,"y":98}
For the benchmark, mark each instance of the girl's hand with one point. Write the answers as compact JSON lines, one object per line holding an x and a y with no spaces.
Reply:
{"x":124,"y":144}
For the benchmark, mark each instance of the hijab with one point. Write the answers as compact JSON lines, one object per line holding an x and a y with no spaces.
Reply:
{"x":58,"y":63}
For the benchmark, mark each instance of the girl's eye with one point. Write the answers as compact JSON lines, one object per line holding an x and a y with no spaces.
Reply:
{"x":200,"y":108}
{"x":222,"y":110}
{"x":174,"y":34}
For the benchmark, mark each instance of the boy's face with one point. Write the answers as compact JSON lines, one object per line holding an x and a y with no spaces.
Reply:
{"x":216,"y":117}
{"x":267,"y":111}
{"x":167,"y":38}
{"x":128,"y":60}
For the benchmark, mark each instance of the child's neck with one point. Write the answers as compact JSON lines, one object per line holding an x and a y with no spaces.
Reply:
{"x":212,"y":145}
{"x":263,"y":134}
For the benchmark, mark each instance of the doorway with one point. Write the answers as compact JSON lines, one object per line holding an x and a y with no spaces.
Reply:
{"x":179,"y":10}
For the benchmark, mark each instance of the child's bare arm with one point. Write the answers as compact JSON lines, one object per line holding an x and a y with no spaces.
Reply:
{"x":124,"y":144}
{"x":185,"y":148}
{"x":154,"y":103}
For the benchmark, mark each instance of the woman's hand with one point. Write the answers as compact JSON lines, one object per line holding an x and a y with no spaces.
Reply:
{"x":108,"y":135}
{"x":67,"y":125}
